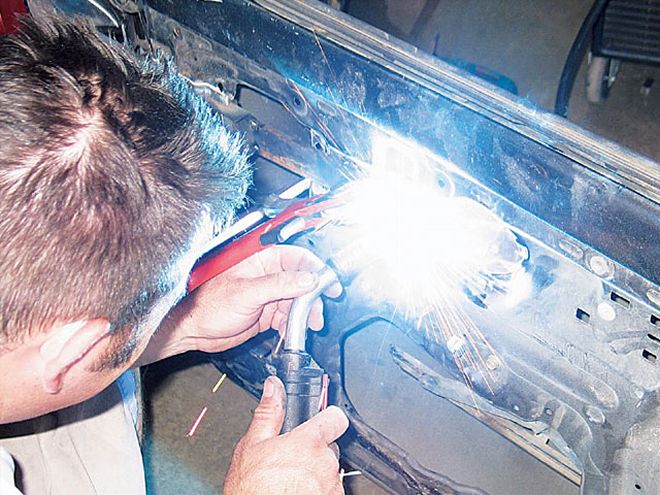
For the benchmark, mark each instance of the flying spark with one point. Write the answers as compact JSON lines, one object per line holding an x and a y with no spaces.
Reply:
{"x":195,"y":425}
{"x":220,"y":382}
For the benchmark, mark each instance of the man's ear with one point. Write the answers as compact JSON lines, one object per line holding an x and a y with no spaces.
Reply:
{"x":67,"y":344}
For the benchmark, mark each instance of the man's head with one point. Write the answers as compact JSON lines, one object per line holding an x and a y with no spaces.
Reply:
{"x":110,"y":171}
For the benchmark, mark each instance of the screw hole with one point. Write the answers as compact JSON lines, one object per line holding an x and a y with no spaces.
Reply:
{"x":649,"y":356}
{"x":297,"y":101}
{"x":619,"y":299}
{"x":582,"y":315}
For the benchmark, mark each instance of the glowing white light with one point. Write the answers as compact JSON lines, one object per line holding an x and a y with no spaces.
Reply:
{"x":416,"y":243}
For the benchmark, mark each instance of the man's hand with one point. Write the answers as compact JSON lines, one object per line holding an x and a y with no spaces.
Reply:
{"x":299,"y":462}
{"x":249,"y":298}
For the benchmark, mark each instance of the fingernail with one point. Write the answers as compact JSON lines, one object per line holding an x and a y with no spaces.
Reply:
{"x":269,"y":388}
{"x":307,"y":279}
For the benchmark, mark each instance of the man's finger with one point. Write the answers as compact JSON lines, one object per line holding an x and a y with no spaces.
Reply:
{"x":326,"y":427}
{"x":301,"y":259}
{"x":282,"y":285}
{"x":267,"y":316}
{"x":280,"y":321}
{"x":269,"y":414}
{"x":315,"y":320}
{"x":334,"y":290}
{"x":284,"y":257}
{"x":284,"y":306}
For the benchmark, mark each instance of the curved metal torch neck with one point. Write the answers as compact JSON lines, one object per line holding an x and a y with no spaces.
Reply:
{"x":296,"y":330}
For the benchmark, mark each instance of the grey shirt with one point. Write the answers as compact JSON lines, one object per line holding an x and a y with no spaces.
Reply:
{"x":89,"y":448}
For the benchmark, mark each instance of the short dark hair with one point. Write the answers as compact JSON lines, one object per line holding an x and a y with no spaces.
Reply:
{"x":107,"y":164}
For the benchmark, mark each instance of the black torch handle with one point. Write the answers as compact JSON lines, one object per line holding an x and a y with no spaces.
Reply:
{"x":303,"y":382}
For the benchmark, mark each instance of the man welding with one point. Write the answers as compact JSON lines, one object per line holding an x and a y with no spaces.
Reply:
{"x":112,"y":175}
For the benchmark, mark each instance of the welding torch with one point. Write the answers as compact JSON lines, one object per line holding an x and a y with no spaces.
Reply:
{"x":306,"y":384}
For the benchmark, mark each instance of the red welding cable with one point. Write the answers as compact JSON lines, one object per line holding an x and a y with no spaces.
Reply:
{"x":10,"y":13}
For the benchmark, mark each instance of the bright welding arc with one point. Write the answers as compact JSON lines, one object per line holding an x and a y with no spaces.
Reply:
{"x":422,"y":248}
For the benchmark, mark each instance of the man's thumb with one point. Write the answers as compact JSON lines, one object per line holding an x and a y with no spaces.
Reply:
{"x":326,"y":427}
{"x":269,"y":414}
